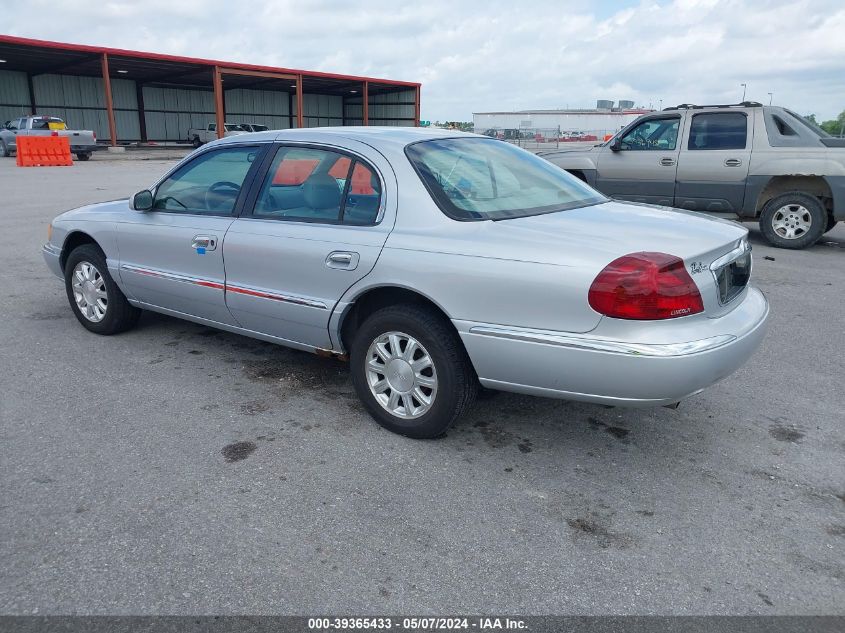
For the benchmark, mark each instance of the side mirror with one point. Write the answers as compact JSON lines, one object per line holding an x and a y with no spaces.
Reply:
{"x":143,"y":200}
{"x":615,"y":145}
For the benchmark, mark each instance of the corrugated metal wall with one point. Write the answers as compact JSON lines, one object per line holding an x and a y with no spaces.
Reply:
{"x":81,"y":102}
{"x":170,"y":112}
{"x":14,"y":95}
{"x":394,"y":109}
{"x":321,"y":110}
{"x":264,"y":107}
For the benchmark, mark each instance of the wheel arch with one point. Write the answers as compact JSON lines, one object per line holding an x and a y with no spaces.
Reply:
{"x":813,"y":185}
{"x":73,"y":240}
{"x":369,"y":300}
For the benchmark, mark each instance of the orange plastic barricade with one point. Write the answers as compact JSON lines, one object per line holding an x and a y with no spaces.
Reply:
{"x":607,"y":137}
{"x":43,"y":151}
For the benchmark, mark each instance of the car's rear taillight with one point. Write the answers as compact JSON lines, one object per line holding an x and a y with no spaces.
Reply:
{"x":94,"y":134}
{"x":645,"y":286}
{"x":54,"y":133}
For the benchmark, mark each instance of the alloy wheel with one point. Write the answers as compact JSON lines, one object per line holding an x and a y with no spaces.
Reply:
{"x":792,"y":221}
{"x":401,"y":375}
{"x":89,"y":291}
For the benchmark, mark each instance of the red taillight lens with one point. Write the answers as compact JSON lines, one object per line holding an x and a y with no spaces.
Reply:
{"x":645,"y":286}
{"x":54,"y":133}
{"x":94,"y":134}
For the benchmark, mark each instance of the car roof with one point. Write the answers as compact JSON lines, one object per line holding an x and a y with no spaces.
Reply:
{"x":371,"y":135}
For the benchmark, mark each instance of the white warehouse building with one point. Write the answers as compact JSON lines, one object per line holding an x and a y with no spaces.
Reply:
{"x":597,"y":122}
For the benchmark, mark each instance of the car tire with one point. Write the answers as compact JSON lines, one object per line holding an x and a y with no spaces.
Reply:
{"x":94,"y":297}
{"x":831,"y":222}
{"x":196,"y":142}
{"x":4,"y":150}
{"x":397,"y":401}
{"x":793,"y":220}
{"x":83,"y":155}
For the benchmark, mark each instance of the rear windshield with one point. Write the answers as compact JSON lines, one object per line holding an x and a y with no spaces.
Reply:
{"x":43,"y":123}
{"x":231,"y":127}
{"x":487,"y":179}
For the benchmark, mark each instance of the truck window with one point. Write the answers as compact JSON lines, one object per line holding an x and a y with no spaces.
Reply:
{"x":653,"y":134}
{"x":718,"y":130}
{"x":212,"y":127}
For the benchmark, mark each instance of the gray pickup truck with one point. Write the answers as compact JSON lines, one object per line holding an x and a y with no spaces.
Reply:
{"x":82,"y":142}
{"x":756,"y":161}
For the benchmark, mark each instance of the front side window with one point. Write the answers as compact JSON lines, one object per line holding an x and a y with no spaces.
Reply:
{"x":487,"y":179}
{"x":718,"y":130}
{"x":316,"y":185}
{"x":653,"y":134}
{"x":208,"y":185}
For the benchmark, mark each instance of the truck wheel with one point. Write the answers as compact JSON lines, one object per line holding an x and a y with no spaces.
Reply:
{"x":83,"y":155}
{"x":196,"y":142}
{"x":793,"y":220}
{"x":4,"y":150}
{"x":831,"y":222}
{"x":411,"y":371}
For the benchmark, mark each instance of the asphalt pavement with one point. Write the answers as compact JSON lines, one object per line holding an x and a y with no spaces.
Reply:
{"x":176,"y":469}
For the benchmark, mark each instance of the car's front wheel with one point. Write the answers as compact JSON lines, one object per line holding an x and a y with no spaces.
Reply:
{"x":411,"y":371}
{"x":793,"y":220}
{"x":94,"y":297}
{"x":4,"y":150}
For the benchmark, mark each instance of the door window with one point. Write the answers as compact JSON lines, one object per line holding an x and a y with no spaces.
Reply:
{"x":653,"y":134}
{"x":208,"y":185}
{"x":718,"y":130}
{"x":315,"y":185}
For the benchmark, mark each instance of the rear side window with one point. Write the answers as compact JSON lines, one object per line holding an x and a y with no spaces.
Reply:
{"x":718,"y":130}
{"x":316,"y":185}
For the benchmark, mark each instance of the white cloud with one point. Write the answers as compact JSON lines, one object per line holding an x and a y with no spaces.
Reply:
{"x":498,"y":54}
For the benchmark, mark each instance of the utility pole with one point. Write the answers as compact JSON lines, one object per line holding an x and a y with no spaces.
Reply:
{"x":770,"y":98}
{"x":744,"y":86}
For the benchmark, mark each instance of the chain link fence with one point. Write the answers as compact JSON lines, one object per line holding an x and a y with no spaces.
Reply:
{"x":546,"y":138}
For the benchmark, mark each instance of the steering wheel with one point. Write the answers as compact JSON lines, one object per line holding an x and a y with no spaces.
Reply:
{"x":218,"y":193}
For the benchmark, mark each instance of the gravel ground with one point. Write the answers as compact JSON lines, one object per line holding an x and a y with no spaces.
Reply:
{"x":176,"y":469}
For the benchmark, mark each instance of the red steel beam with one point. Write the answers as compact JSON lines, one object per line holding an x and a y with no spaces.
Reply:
{"x":300,"y":117}
{"x":109,"y":105}
{"x":417,"y":106}
{"x":366,"y":102}
{"x":219,"y":115}
{"x":122,"y":52}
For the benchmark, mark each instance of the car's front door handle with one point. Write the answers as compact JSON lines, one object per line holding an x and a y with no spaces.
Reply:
{"x":343,"y":260}
{"x":667,"y":162}
{"x":203,"y":243}
{"x":733,"y":162}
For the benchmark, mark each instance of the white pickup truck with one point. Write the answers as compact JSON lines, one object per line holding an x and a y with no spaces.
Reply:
{"x":82,"y":142}
{"x":198,"y":136}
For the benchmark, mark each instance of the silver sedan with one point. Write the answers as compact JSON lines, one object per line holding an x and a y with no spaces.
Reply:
{"x":435,"y":262}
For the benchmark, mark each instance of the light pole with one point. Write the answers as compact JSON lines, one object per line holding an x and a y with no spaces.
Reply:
{"x":661,"y":104}
{"x":744,"y":86}
{"x":770,"y":98}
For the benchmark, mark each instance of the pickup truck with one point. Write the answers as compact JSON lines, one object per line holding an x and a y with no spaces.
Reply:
{"x":758,"y":162}
{"x":198,"y":136}
{"x":82,"y":142}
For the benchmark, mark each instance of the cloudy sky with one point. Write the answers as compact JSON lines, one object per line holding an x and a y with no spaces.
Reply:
{"x":496,"y":54}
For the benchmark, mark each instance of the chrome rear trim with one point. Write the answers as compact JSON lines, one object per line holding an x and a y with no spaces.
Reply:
{"x":600,"y":345}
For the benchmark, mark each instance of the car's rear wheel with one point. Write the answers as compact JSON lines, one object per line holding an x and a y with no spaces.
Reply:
{"x":411,"y":371}
{"x":94,"y":297}
{"x":4,"y":150}
{"x":793,"y":220}
{"x":83,"y":155}
{"x":196,"y":142}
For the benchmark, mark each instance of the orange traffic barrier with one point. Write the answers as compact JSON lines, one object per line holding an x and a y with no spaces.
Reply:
{"x":607,"y":137}
{"x":43,"y":151}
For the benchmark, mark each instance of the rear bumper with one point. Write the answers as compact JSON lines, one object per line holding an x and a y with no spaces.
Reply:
{"x":593,"y":368}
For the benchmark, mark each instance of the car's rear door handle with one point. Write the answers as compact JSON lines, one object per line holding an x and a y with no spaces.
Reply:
{"x":203,"y":243}
{"x":667,"y":162}
{"x":343,"y":260}
{"x":733,"y":162}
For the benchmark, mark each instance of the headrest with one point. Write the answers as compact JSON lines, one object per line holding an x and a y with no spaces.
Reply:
{"x":320,"y":191}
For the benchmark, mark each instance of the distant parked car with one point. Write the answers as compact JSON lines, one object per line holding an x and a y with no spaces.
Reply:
{"x":199,"y":136}
{"x":254,"y":127}
{"x":434,"y":261}
{"x":762,"y":162}
{"x":82,"y":142}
